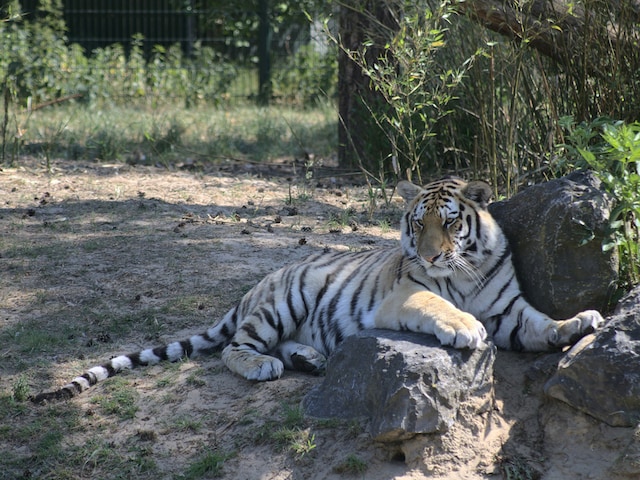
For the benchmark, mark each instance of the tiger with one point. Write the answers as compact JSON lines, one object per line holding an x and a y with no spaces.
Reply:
{"x":451,"y":276}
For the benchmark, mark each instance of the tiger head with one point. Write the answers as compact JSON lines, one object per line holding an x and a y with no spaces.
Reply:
{"x":447,"y":227}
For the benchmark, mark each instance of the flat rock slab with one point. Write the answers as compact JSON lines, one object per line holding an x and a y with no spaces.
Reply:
{"x":403,"y":383}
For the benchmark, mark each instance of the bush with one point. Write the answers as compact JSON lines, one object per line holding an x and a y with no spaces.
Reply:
{"x":612,"y":150}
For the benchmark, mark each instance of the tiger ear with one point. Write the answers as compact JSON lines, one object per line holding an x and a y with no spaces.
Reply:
{"x":407,"y":190}
{"x":479,"y":192}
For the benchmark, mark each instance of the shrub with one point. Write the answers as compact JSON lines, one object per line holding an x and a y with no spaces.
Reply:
{"x":612,"y":150}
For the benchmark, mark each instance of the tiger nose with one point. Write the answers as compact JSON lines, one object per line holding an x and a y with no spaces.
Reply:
{"x":433,"y":258}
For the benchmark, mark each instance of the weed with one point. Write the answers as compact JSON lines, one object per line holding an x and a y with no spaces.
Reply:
{"x":49,"y":444}
{"x":293,"y":416}
{"x":303,"y":443}
{"x":354,"y":428}
{"x":20,"y":391}
{"x":209,"y":465}
{"x":384,"y":225}
{"x":187,"y":423}
{"x":289,"y":433}
{"x":119,"y":399}
{"x":297,"y":440}
{"x":351,"y":465}
{"x":343,"y":219}
{"x":195,"y":379}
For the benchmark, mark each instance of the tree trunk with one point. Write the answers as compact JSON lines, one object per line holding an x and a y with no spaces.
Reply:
{"x":361,"y":143}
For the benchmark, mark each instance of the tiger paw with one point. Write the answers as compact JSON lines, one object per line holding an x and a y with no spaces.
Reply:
{"x":300,"y":357}
{"x":573,"y":329}
{"x":252,"y":365}
{"x":461,"y":331}
{"x":310,"y":361}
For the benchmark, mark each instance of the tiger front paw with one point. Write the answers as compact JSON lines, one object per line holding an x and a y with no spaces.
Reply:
{"x":252,"y":365}
{"x":573,"y":329}
{"x":461,"y":331}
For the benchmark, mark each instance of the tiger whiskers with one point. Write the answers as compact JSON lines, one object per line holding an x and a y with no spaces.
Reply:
{"x":465,"y":266}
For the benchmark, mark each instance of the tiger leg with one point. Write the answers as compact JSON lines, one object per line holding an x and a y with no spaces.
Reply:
{"x":246,"y":354}
{"x":426,"y":312}
{"x":531,"y":330}
{"x":297,"y":356}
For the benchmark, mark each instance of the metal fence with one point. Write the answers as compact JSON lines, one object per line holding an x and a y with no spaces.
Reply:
{"x":96,"y":24}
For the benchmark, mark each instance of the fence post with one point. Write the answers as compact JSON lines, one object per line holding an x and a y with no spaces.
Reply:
{"x":264,"y":53}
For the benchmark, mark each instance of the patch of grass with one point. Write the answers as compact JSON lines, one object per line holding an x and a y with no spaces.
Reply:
{"x":145,"y":320}
{"x":384,"y":225}
{"x":343,"y":219}
{"x":119,"y":399}
{"x":293,"y":415}
{"x":20,"y":390}
{"x":187,"y":423}
{"x":195,"y":378}
{"x":208,"y":465}
{"x":351,"y":465}
{"x":32,"y":336}
{"x":170,"y":134}
{"x":290,"y":432}
{"x":299,"y":441}
{"x":98,"y":458}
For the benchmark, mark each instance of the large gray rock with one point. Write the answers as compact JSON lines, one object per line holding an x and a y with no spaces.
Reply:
{"x":556,"y":230}
{"x":601,"y":374}
{"x":403,"y":383}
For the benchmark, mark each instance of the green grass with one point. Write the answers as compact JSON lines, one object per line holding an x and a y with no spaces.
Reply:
{"x":208,"y":465}
{"x":351,"y":465}
{"x":119,"y":399}
{"x":170,"y":135}
{"x":290,"y":432}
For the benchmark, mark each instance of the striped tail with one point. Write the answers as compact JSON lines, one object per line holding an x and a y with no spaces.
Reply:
{"x":214,"y":339}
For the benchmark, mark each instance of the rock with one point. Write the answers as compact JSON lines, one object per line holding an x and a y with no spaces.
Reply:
{"x":556,"y":230}
{"x":600,"y":374}
{"x":404,"y":383}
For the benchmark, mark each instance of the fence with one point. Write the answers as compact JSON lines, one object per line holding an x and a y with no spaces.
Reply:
{"x":258,"y":57}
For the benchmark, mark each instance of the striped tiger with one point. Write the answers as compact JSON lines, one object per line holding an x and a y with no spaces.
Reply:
{"x":452,"y":276}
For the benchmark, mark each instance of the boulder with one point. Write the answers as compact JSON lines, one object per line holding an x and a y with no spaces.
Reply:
{"x":600,"y":374}
{"x":403,"y":383}
{"x":556,"y":230}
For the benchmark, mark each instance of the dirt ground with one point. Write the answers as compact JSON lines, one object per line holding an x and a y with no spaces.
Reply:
{"x":102,"y":259}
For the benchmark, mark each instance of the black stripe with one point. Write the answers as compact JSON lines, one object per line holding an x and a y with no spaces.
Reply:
{"x":374,"y":292}
{"x":500,"y":293}
{"x":505,"y":313}
{"x":187,"y":347}
{"x":514,"y":338}
{"x":506,"y":254}
{"x":161,"y":352}
{"x":135,"y":361}
{"x":250,"y":330}
{"x":90,"y":377}
{"x":303,"y":276}
{"x":266,"y":315}
{"x":70,"y":393}
{"x":478,"y":224}
{"x":363,"y":265}
{"x":110,"y":370}
{"x":415,"y":280}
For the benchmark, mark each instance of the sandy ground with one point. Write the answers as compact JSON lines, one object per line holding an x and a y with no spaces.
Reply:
{"x":111,"y":258}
